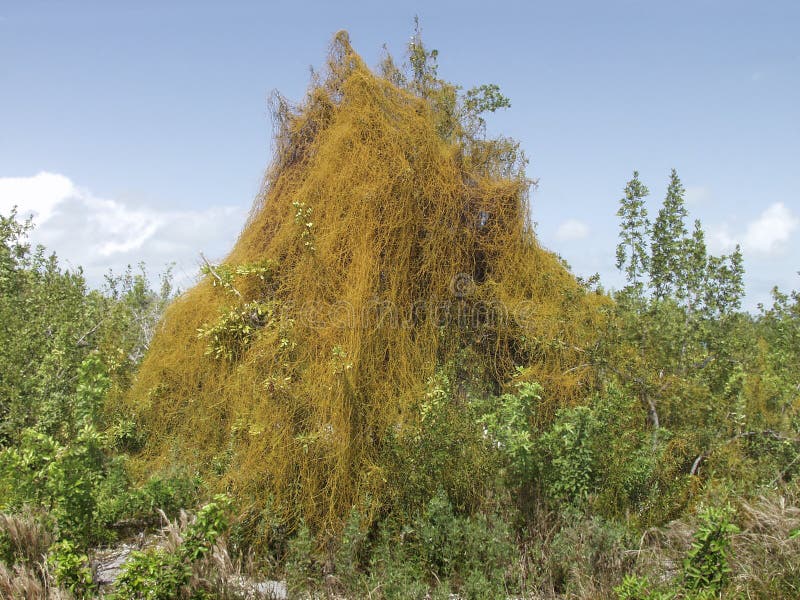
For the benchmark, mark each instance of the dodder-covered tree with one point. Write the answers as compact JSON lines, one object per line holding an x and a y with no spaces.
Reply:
{"x":391,"y":239}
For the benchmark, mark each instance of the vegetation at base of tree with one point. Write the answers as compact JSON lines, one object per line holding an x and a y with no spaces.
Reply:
{"x":656,"y":458}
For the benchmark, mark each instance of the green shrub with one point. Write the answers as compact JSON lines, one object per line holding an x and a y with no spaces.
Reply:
{"x":587,"y":555}
{"x":634,"y":587}
{"x":124,"y":435}
{"x":350,"y":552}
{"x":444,"y":446}
{"x":118,"y":501}
{"x":157,"y":574}
{"x":301,"y":567}
{"x":472,"y":553}
{"x":70,"y":568}
{"x":63,"y":478}
{"x":706,"y":566}
{"x":507,"y":420}
{"x":154,"y":574}
{"x":568,"y":456}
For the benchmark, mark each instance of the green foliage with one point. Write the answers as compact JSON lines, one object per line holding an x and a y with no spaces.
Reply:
{"x":63,"y":346}
{"x":70,"y":568}
{"x":351,"y":550}
{"x":62,"y":478}
{"x":586,"y":555}
{"x":62,"y":350}
{"x":125,"y":435}
{"x":131,"y":313}
{"x":625,"y":461}
{"x":154,"y":574}
{"x":706,"y":566}
{"x":228,"y":277}
{"x":569,"y":458}
{"x":507,"y":422}
{"x":302,"y":570}
{"x":443,"y":447}
{"x":302,"y":217}
{"x":458,"y":115}
{"x":634,"y":587}
{"x":472,"y":553}
{"x":239,"y":325}
{"x":462,"y":547}
{"x":235,"y":330}
{"x":158,"y":574}
{"x":45,"y":313}
{"x":212,"y":520}
{"x":667,"y":264}
{"x":120,"y":501}
{"x":633,"y":250}
{"x":435,"y":551}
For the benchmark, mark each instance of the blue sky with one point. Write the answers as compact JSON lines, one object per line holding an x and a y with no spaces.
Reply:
{"x":140,"y":130}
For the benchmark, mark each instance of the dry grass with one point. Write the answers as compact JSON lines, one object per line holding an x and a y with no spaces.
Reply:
{"x":217,"y":573}
{"x":28,"y":539}
{"x":27,"y":578}
{"x":766,"y":554}
{"x":21,"y":582}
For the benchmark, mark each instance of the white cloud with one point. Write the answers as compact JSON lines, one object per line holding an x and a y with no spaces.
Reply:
{"x":35,"y":196}
{"x":101,"y":234}
{"x":720,"y":239}
{"x":771,"y":230}
{"x":572,"y":229}
{"x":766,"y":235}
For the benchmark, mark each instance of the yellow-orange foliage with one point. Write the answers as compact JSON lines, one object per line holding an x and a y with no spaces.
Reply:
{"x":391,"y":251}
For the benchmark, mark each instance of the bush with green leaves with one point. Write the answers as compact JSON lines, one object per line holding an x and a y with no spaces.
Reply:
{"x":635,"y":587}
{"x":707,"y":566}
{"x":70,"y":568}
{"x":587,"y":555}
{"x":442,"y":446}
{"x":437,"y":552}
{"x":161,"y":574}
{"x":597,"y":458}
{"x":121,"y":501}
{"x":63,"y":478}
{"x":569,"y":457}
{"x":350,"y":552}
{"x":302,"y":563}
{"x":62,"y":345}
{"x":474,"y":553}
{"x":507,"y":423}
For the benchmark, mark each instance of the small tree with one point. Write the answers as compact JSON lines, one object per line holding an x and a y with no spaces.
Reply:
{"x":632,"y":251}
{"x":667,"y":265}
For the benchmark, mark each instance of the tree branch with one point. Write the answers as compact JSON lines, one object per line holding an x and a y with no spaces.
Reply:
{"x":765,"y":433}
{"x":216,"y":276}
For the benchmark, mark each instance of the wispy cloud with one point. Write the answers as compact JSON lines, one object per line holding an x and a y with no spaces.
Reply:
{"x":100,"y":234}
{"x":766,"y":235}
{"x":571,"y":230}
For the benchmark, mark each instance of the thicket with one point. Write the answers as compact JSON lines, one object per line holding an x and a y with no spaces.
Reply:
{"x":400,"y":393}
